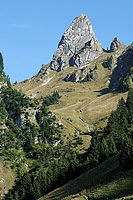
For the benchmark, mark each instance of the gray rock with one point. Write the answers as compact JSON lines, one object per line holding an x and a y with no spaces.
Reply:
{"x":81,"y":75}
{"x":59,"y":123}
{"x":116,"y":44}
{"x":69,"y":119}
{"x":85,"y":55}
{"x":123,"y":69}
{"x":20,"y":120}
{"x":73,"y":77}
{"x":56,"y":143}
{"x":111,"y":62}
{"x":77,"y":46}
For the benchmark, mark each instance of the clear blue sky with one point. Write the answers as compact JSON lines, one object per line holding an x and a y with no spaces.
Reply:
{"x":30,"y":30}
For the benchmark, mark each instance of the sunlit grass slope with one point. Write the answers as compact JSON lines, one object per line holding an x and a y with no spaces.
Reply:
{"x":86,"y":104}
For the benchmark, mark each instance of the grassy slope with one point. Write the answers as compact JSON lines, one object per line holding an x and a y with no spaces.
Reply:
{"x":82,"y":102}
{"x":105,"y":181}
{"x":119,"y":187}
{"x":8,"y":177}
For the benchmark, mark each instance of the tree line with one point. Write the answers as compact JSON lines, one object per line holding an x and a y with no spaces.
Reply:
{"x":63,"y":165}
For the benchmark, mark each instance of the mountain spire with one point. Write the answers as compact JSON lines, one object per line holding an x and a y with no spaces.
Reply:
{"x":116,"y":44}
{"x":79,"y":37}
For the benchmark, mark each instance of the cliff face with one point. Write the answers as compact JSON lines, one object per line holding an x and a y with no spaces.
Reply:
{"x":122,"y":75}
{"x":78,"y":45}
{"x":116,"y":45}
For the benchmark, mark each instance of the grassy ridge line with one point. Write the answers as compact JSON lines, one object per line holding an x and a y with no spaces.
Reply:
{"x":119,"y":187}
{"x":96,"y":176}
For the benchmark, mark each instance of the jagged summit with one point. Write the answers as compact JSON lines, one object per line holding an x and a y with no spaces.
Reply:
{"x":77,"y":45}
{"x":80,"y":29}
{"x":116,"y":44}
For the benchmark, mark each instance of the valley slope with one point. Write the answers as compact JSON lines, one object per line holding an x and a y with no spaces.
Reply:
{"x":90,"y":81}
{"x":86,"y":77}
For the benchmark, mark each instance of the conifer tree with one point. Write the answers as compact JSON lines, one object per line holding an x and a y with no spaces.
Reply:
{"x":94,"y":150}
{"x":126,"y":154}
{"x":10,"y":196}
{"x":122,"y":109}
{"x":1,"y":63}
{"x":129,"y":104}
{"x":16,"y":196}
{"x":104,"y":150}
{"x":111,"y":145}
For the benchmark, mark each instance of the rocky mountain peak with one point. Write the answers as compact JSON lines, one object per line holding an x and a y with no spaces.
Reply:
{"x":116,"y":44}
{"x":78,"y":38}
{"x":78,"y":34}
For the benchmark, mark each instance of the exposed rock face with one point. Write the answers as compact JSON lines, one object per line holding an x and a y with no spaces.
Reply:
{"x":77,"y":46}
{"x":81,"y":75}
{"x":87,"y":54}
{"x":44,"y":71}
{"x":123,"y":70}
{"x":116,"y":44}
{"x":117,"y":48}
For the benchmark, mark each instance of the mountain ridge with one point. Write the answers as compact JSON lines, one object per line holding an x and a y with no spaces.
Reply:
{"x":50,"y":132}
{"x":77,"y":48}
{"x":96,"y":73}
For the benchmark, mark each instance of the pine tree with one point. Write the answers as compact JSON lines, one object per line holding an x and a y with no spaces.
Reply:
{"x":111,"y":145}
{"x":122,"y":109}
{"x":1,"y":63}
{"x":9,"y":196}
{"x":16,"y":196}
{"x":126,"y":154}
{"x":129,"y":104}
{"x":112,"y":127}
{"x":94,"y":150}
{"x":104,"y":150}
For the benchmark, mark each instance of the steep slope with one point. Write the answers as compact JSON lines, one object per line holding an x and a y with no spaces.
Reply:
{"x":107,"y":180}
{"x":83,"y":98}
{"x":7,"y":177}
{"x":96,"y":183}
{"x":65,"y":163}
{"x":80,"y":71}
{"x":122,"y":76}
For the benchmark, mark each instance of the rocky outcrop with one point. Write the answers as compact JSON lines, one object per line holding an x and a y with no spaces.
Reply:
{"x":86,"y":54}
{"x":124,"y":70}
{"x":116,"y":49}
{"x":31,"y":115}
{"x":116,"y":44}
{"x":44,"y":71}
{"x":81,"y":75}
{"x":78,"y":45}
